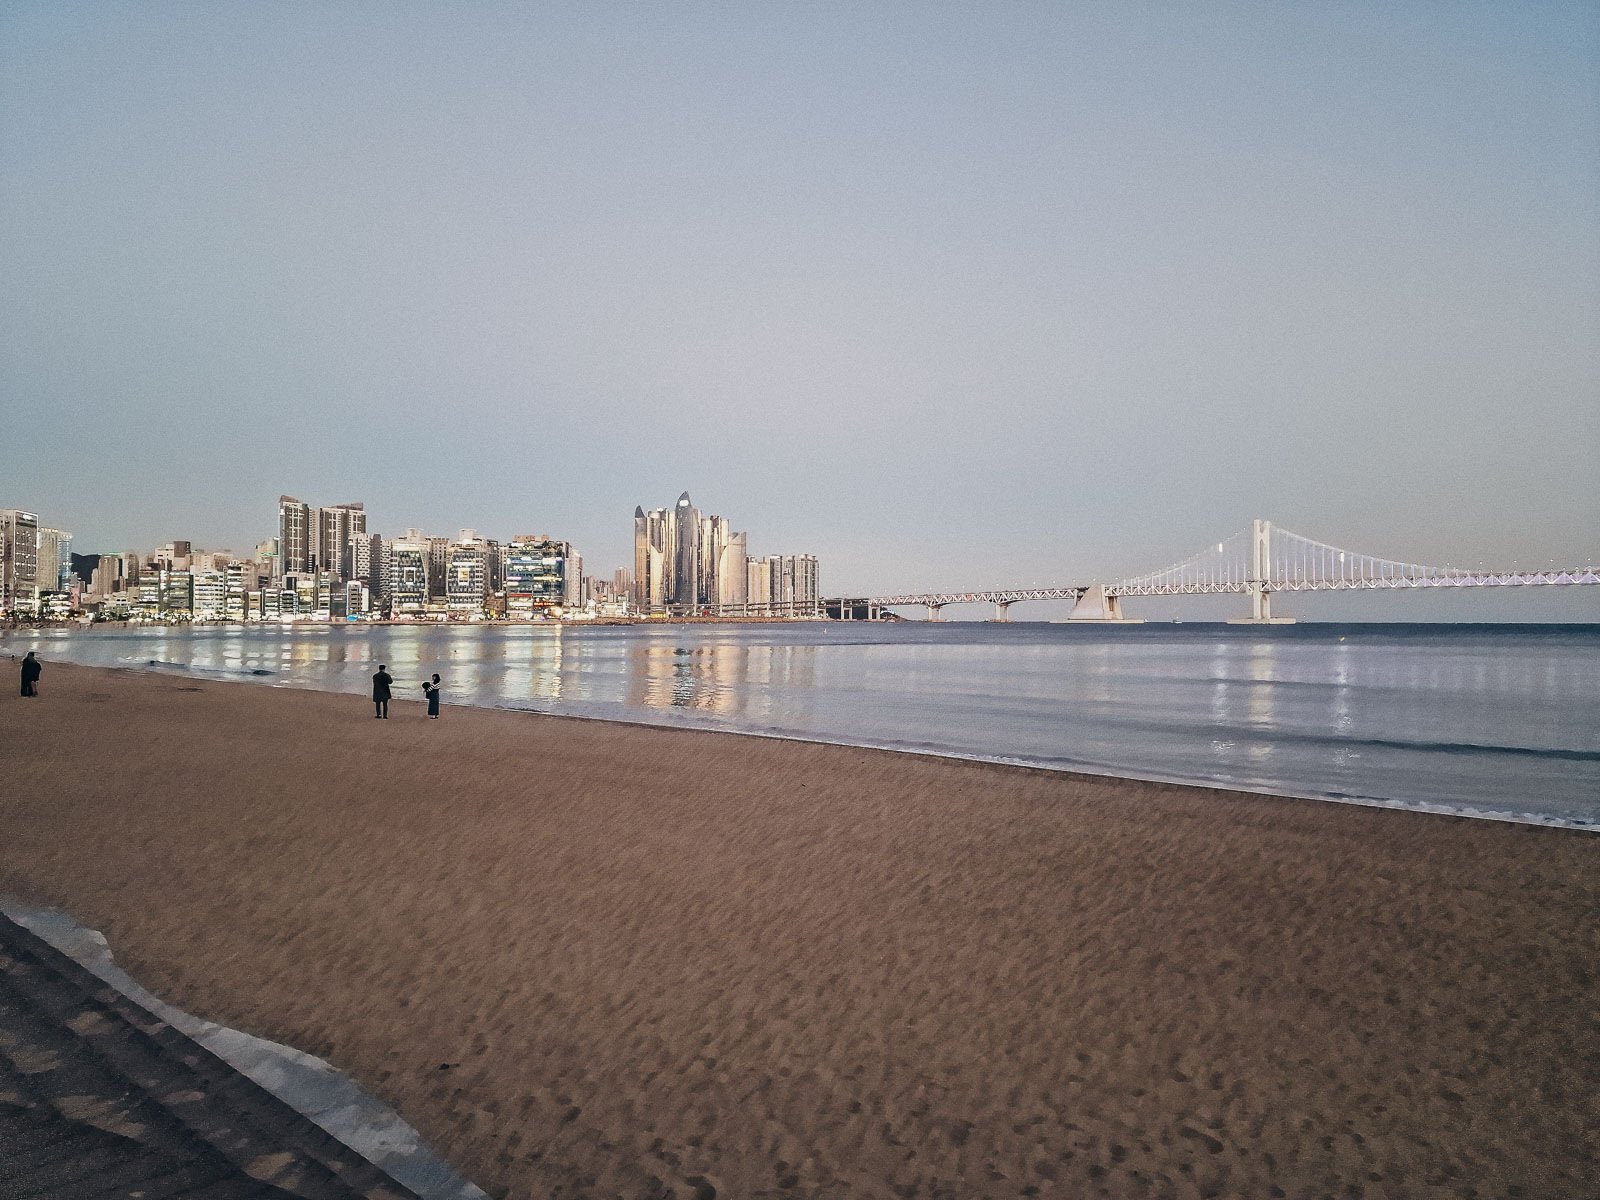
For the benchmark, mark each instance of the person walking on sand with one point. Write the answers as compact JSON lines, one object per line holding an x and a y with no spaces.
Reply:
{"x":32,"y":668}
{"x":381,"y":683}
{"x":431,"y":690}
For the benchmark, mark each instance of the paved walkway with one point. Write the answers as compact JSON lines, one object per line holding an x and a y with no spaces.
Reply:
{"x":99,"y":1098}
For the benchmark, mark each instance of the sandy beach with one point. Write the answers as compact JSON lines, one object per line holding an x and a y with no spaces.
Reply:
{"x":588,"y":959}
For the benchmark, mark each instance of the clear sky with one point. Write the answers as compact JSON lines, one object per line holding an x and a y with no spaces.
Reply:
{"x":949,"y":295}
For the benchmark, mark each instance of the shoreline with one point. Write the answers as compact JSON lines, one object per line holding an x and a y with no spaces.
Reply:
{"x":594,"y":958}
{"x":1087,"y":770}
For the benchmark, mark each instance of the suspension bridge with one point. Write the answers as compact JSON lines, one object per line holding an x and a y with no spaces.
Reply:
{"x":1257,"y":562}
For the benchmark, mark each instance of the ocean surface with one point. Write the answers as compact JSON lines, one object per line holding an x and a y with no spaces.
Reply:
{"x":1487,"y":720}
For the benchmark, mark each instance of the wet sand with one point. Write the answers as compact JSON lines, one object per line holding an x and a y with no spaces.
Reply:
{"x":588,"y":959}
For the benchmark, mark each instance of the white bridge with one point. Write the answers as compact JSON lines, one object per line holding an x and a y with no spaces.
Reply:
{"x":1255,"y":562}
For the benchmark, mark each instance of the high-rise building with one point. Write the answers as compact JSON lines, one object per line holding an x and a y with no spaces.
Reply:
{"x":314,"y":539}
{"x":366,"y":562}
{"x":650,"y":559}
{"x":784,"y":585}
{"x":54,"y":567}
{"x":107,"y":577}
{"x":438,"y":567}
{"x":296,"y":536}
{"x":685,"y":561}
{"x":730,"y":580}
{"x":19,"y":561}
{"x":336,"y":524}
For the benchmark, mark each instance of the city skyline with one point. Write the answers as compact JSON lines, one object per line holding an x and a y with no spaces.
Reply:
{"x":1072,"y":289}
{"x":325,"y":563}
{"x":521,"y":576}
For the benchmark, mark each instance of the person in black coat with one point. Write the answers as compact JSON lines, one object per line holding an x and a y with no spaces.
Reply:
{"x":32,"y":668}
{"x":431,"y":689}
{"x":381,"y":683}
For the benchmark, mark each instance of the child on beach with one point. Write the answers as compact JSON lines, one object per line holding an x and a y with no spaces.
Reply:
{"x":431,"y":690}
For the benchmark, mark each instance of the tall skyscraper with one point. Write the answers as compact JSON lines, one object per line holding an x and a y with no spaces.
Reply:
{"x":686,"y":579}
{"x":785,"y":585}
{"x":296,"y":536}
{"x":55,"y":560}
{"x":438,"y":564}
{"x":336,"y":524}
{"x":366,"y":562}
{"x":651,"y":538}
{"x":685,"y":561}
{"x":314,"y":539}
{"x":19,"y":561}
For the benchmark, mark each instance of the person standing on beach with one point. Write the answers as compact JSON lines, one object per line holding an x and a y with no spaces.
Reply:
{"x":381,"y":683}
{"x":431,"y":690}
{"x":32,"y":668}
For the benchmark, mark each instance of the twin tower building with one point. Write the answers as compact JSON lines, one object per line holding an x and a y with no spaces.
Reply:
{"x":686,"y":563}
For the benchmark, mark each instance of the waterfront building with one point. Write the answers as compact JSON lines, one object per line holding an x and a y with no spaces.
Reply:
{"x":381,"y":570}
{"x":467,"y":574}
{"x":19,"y":562}
{"x":145,"y":596}
{"x":540,"y":574}
{"x":650,"y":559}
{"x":784,"y":585}
{"x":758,"y":585}
{"x":336,"y":525}
{"x":106,"y":579}
{"x":366,"y":562}
{"x":496,"y":566}
{"x":54,"y":566}
{"x":438,"y":568}
{"x":357,"y":599}
{"x":729,"y":580}
{"x":685,"y":561}
{"x":239,"y":579}
{"x":316,"y":539}
{"x":210,"y":595}
{"x":685,"y":581}
{"x":408,"y":576}
{"x":296,"y":536}
{"x":177,"y":593}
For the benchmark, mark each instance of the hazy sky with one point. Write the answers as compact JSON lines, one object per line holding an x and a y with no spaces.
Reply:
{"x":949,"y":295}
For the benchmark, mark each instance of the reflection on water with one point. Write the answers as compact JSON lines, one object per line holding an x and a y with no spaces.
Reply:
{"x":730,"y":679}
{"x":1478,"y":717}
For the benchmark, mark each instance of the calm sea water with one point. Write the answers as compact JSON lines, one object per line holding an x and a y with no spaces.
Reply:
{"x":1491,"y":720}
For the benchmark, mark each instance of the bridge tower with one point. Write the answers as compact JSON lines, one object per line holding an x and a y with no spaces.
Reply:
{"x":1258,"y":579}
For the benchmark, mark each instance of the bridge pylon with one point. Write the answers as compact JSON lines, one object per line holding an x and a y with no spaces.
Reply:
{"x":1258,"y":582}
{"x":933,"y":612}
